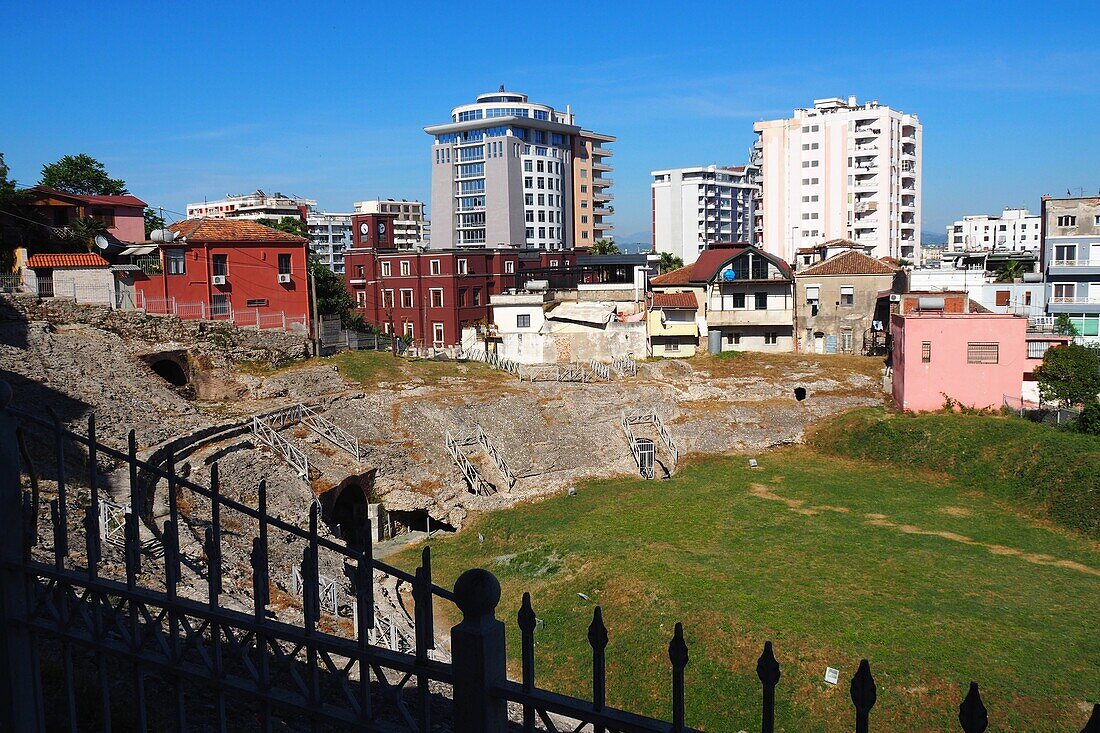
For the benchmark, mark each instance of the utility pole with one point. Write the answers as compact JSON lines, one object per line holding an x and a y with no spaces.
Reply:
{"x":316,"y":330}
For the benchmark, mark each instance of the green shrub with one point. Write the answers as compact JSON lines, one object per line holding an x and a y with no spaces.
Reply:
{"x":1055,"y":472}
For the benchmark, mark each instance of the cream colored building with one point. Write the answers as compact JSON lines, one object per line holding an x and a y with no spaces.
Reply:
{"x":840,"y":170}
{"x":592,"y":188}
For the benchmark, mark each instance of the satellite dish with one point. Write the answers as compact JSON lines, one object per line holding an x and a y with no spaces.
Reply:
{"x":101,"y":241}
{"x":729,"y":275}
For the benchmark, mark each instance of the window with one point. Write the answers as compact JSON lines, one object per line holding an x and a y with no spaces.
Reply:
{"x":926,"y":351}
{"x":734,"y":338}
{"x":584,"y":188}
{"x":530,"y":233}
{"x":1067,"y":221}
{"x":981,"y":352}
{"x":529,"y":215}
{"x":771,"y":337}
{"x":847,"y":295}
{"x":509,"y":267}
{"x":387,"y":299}
{"x":529,"y":199}
{"x":1000,"y":297}
{"x":846,"y":341}
{"x":553,"y":263}
{"x":220,"y":265}
{"x":436,"y":295}
{"x":360,"y":299}
{"x":761,"y":301}
{"x":433,"y":267}
{"x":176,"y":263}
{"x":813,"y":294}
{"x":526,"y":166}
{"x":461,"y":267}
{"x":523,"y":320}
{"x":385,"y":269}
{"x":528,"y":182}
{"x":404,"y":267}
{"x":219,"y":304}
{"x":284,"y":264}
{"x":408,"y":329}
{"x":738,"y":300}
{"x":359,"y":271}
{"x":477,"y":296}
{"x":437,"y":334}
{"x":406,"y":298}
{"x":1064,"y":292}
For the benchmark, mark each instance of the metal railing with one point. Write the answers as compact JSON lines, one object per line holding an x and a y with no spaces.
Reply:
{"x":649,"y":417}
{"x":319,"y":424}
{"x":149,"y":642}
{"x":557,"y":373}
{"x":625,"y":366}
{"x":490,"y":357}
{"x":266,"y":434}
{"x":498,"y":459}
{"x":474,"y":480}
{"x":602,"y":371}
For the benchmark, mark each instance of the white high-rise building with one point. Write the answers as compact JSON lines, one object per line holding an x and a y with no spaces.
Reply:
{"x":1015,"y":230}
{"x":840,"y":170}
{"x":695,"y":207}
{"x":329,"y":236}
{"x":410,"y":229}
{"x":258,"y":205}
{"x":510,"y":172}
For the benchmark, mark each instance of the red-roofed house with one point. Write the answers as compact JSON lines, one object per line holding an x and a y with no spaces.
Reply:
{"x":673,"y":330}
{"x":840,"y":305}
{"x":228,"y":269}
{"x":744,"y":297}
{"x":124,"y":216}
{"x":83,"y":276}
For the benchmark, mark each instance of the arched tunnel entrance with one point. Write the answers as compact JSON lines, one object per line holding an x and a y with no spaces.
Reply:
{"x":170,"y":371}
{"x":173,"y":367}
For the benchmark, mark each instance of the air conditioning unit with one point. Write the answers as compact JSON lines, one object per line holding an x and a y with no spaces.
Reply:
{"x":284,"y":277}
{"x":895,"y":297}
{"x":217,"y":280}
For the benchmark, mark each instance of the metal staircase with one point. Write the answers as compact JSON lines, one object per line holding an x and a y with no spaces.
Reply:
{"x":642,"y":448}
{"x":319,"y":424}
{"x":474,"y":480}
{"x":266,"y":434}
{"x":498,"y":459}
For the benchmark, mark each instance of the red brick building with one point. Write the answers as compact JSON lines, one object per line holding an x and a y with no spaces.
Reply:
{"x":432,"y":295}
{"x":231,"y":269}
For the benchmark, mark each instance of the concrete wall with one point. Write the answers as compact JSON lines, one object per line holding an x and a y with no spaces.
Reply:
{"x":832,"y":318}
{"x":571,"y":343}
{"x":921,"y":386}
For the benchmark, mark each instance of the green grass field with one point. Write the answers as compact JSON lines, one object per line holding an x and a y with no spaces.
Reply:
{"x":932,"y":579}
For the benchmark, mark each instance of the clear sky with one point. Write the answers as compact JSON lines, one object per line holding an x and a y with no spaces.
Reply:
{"x":193,"y":100}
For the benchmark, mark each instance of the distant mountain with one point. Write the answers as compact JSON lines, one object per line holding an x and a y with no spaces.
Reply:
{"x":927,"y":237}
{"x":638,"y":242}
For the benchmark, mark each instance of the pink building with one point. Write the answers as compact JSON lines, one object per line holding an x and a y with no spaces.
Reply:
{"x":123,"y":216}
{"x":976,"y":359}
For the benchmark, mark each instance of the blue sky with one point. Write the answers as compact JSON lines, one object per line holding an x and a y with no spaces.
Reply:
{"x":328,"y":101}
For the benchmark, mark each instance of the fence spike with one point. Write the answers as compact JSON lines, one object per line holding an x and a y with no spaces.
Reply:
{"x":173,"y":503}
{"x":61,"y":534}
{"x":171,"y":557}
{"x":597,"y":639}
{"x":1093,"y":726}
{"x":972,"y":713}
{"x":767,"y":669}
{"x":30,"y":503}
{"x":678,"y":655}
{"x":527,"y":620}
{"x":91,"y":516}
{"x":864,"y":694}
{"x":58,"y":534}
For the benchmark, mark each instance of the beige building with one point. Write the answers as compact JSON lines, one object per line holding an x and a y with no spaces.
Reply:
{"x":673,"y":326}
{"x":842,"y":304}
{"x":592,"y":188}
{"x":745,"y":298}
{"x":408,"y":225}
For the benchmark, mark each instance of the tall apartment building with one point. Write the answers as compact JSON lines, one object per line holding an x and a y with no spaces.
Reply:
{"x":1070,"y":254}
{"x":840,"y":170}
{"x":258,"y":205}
{"x":694,"y":207}
{"x":329,"y":236}
{"x":1015,"y":230}
{"x":591,"y":183}
{"x":504,"y":173}
{"x":409,"y":225}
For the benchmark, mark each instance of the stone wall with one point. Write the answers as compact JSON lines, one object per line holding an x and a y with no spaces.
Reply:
{"x":220,"y":343}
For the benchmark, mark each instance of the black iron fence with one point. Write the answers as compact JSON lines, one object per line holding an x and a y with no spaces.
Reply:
{"x":89,"y":629}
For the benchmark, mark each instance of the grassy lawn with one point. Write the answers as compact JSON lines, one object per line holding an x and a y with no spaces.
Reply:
{"x":832,"y":559}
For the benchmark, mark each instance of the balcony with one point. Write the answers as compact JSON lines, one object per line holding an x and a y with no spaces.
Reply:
{"x":601,"y":167}
{"x":601,"y":196}
{"x":673,"y":328}
{"x":601,"y":153}
{"x":602,"y":182}
{"x":1074,"y":267}
{"x":750,"y":317}
{"x":867,"y":132}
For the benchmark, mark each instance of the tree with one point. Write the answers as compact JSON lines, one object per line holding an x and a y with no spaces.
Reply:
{"x":81,"y":174}
{"x":1064,"y":326}
{"x":669,"y":262}
{"x":604,"y":247}
{"x":1011,"y":271}
{"x":84,"y":230}
{"x":1070,"y":373}
{"x":332,"y":296}
{"x":289,"y":224}
{"x":153,"y":221}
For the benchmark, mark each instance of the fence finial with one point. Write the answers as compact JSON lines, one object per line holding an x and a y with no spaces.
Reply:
{"x":477,"y":593}
{"x":864,"y":694}
{"x":972,"y":713}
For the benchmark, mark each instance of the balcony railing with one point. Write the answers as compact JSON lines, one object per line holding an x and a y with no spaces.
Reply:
{"x":1075,"y":299}
{"x":750,"y":317}
{"x":1075,"y":263}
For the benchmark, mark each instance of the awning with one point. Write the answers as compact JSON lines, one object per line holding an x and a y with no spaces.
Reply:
{"x":138,"y":249}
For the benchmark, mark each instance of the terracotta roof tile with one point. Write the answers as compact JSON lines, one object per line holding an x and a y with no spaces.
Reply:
{"x":232,"y":230}
{"x":126,"y":200}
{"x":675,"y":300}
{"x":850,"y":263}
{"x":679,"y":276}
{"x":67,"y":259}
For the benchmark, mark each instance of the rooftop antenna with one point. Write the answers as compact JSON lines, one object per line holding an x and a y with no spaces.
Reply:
{"x":501,"y":88}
